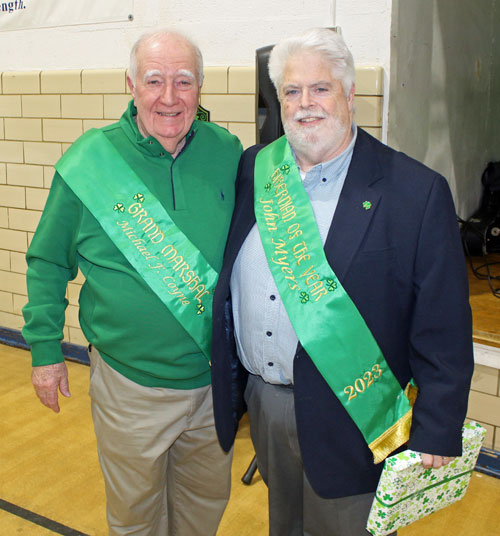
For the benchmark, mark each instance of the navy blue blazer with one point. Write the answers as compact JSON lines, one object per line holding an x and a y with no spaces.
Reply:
{"x":402,"y":264}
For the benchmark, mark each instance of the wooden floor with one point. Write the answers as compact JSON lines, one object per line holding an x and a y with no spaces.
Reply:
{"x":485,"y":306}
{"x":48,"y":462}
{"x":49,"y":468}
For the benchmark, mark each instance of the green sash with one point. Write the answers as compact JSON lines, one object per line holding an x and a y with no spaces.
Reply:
{"x":143,"y":231}
{"x":325,"y":319}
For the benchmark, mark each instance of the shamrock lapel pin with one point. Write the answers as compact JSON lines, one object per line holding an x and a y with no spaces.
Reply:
{"x":367,"y":205}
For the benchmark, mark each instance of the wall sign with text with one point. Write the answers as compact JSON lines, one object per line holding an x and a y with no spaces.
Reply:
{"x":27,"y":14}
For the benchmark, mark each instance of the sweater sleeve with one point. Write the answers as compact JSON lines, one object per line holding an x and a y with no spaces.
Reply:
{"x":52,"y":262}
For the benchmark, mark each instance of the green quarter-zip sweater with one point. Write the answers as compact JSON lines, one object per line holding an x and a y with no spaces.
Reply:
{"x":119,"y":314}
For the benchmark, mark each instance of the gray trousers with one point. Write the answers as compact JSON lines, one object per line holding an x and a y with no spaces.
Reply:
{"x":295,"y":509}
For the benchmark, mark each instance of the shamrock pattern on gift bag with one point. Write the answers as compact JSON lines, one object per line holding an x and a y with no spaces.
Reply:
{"x":407,"y":492}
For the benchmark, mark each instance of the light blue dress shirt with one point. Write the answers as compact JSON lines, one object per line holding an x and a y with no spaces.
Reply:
{"x":265,"y":340}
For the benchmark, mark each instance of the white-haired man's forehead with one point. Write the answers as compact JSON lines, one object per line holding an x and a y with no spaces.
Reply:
{"x":168,"y":41}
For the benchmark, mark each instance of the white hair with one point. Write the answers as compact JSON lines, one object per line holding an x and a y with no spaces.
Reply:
{"x":156,"y":35}
{"x":328,"y":43}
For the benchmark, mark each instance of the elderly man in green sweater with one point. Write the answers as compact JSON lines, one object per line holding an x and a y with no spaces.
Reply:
{"x":142,"y":207}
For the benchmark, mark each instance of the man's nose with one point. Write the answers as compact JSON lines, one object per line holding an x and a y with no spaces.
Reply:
{"x":169,"y":94}
{"x":305,"y":99}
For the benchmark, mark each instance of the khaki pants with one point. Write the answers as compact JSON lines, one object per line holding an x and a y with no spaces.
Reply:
{"x":164,"y":470}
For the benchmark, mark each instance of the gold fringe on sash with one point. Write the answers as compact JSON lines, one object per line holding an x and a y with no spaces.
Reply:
{"x":398,"y":434}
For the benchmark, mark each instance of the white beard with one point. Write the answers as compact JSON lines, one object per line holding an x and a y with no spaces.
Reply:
{"x":315,"y":143}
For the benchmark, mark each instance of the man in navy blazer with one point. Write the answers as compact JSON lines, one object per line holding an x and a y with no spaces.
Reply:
{"x":390,"y":235}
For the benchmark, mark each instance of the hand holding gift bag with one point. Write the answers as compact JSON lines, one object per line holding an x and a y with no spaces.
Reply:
{"x":407,"y":492}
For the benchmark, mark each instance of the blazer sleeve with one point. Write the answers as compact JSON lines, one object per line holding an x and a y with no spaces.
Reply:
{"x":441,"y":355}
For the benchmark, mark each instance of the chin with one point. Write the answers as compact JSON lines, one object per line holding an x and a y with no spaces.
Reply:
{"x":302,"y":138}
{"x":317,"y":140}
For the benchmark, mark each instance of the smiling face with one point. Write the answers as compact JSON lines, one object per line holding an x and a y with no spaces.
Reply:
{"x":166,"y":90}
{"x":316,"y":114}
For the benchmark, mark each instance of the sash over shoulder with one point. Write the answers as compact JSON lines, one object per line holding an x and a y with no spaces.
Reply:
{"x":143,"y":231}
{"x":325,"y":319}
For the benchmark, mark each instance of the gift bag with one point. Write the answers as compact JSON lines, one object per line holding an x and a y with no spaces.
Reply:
{"x":407,"y":492}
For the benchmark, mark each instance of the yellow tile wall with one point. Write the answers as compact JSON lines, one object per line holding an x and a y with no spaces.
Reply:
{"x":4,"y":260}
{"x":41,"y":105}
{"x":25,"y":175}
{"x":10,"y":106}
{"x":59,"y":82}
{"x":11,"y":151}
{"x":18,"y":263}
{"x":23,"y":129}
{"x":67,"y":130}
{"x":43,"y":112}
{"x":22,"y":82}
{"x":484,"y":403}
{"x":6,"y":302}
{"x":103,"y":81}
{"x":4,"y":217}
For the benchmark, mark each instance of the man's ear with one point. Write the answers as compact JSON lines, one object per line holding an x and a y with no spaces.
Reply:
{"x":131,"y":86}
{"x":350,"y":98}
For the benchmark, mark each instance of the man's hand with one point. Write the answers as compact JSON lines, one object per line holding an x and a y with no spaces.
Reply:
{"x":46,"y":380}
{"x":430,"y":460}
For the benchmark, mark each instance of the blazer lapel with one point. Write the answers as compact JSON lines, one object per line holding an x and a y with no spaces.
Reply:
{"x":244,"y":215}
{"x":244,"y":220}
{"x":357,"y":205}
{"x":350,"y":222}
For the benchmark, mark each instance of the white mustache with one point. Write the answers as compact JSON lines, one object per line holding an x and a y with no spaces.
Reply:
{"x":303,"y":114}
